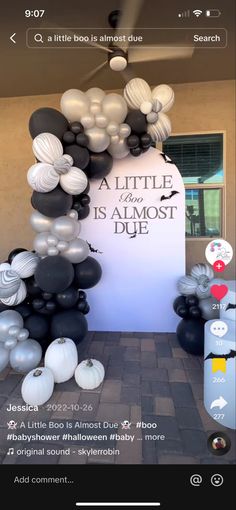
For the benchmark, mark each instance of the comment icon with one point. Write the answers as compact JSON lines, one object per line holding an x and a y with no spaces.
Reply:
{"x":219,"y":328}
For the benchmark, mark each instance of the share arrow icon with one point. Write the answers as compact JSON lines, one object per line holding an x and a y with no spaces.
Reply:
{"x":219,"y":402}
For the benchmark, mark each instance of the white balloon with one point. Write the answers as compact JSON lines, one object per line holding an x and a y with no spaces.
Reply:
{"x":23,"y":335}
{"x":114,"y":108}
{"x":118,"y":150}
{"x":47,"y":148}
{"x":146,"y":107}
{"x":25,"y":263}
{"x":52,"y":240}
{"x":62,"y":245}
{"x":98,"y":139}
{"x":25,"y":355}
{"x":4,"y":358}
{"x":74,"y":104}
{"x":10,"y":343}
{"x":73,"y":214}
{"x":14,"y":331}
{"x":88,"y":121}
{"x":124,"y":130}
{"x":136,"y":92}
{"x":95,"y":108}
{"x":74,"y":182}
{"x":165,"y":95}
{"x":39,"y":222}
{"x":161,"y":129}
{"x":112,"y":128}
{"x":42,"y":177}
{"x":52,"y":251}
{"x":95,"y":95}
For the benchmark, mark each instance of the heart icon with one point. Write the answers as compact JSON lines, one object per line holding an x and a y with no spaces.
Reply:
{"x":219,"y":291}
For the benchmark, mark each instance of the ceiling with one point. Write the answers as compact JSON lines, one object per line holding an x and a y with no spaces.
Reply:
{"x":33,"y":71}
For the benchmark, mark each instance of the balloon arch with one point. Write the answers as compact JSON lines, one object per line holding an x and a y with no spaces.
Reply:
{"x":42,"y":292}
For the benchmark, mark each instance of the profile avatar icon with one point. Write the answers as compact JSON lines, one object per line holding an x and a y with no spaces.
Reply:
{"x":219,"y":443}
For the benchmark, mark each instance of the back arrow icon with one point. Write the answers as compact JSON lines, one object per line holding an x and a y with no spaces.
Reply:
{"x":12,"y":38}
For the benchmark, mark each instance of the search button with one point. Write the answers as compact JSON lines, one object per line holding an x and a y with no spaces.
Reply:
{"x":38,"y":38}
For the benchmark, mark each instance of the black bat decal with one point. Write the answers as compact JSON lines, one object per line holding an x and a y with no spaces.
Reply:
{"x":167,"y":197}
{"x":133,"y":236}
{"x":166,"y":158}
{"x":231,"y":305}
{"x":93,"y":250}
{"x":230,"y":354}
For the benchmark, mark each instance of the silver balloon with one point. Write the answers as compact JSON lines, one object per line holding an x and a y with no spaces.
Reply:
{"x":95,"y":108}
{"x":10,"y":343}
{"x":95,"y":94}
{"x":101,"y":120}
{"x":77,"y":252}
{"x":208,"y":311}
{"x":39,"y":222}
{"x":52,"y":251}
{"x":73,"y":214}
{"x":9,"y":318}
{"x":88,"y":121}
{"x":25,"y":356}
{"x":23,"y":335}
{"x":74,"y":104}
{"x":41,"y":243}
{"x":124,"y":131}
{"x":98,"y":139}
{"x":4,"y":357}
{"x":112,"y":128}
{"x":118,"y":150}
{"x":52,"y":240}
{"x":64,"y":228}
{"x":62,"y":245}
{"x":115,"y":108}
{"x":14,"y":331}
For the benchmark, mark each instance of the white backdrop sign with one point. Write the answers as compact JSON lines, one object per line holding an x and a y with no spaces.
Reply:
{"x":137,"y":222}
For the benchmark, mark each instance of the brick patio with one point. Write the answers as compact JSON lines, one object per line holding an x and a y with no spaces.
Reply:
{"x":149,"y":378}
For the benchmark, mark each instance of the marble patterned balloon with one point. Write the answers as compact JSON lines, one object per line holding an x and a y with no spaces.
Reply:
{"x":74,"y":182}
{"x":161,"y":129}
{"x":42,"y":177}
{"x":136,"y":92}
{"x":17,"y":298}
{"x":9,"y":283}
{"x":47,"y":148}
{"x":25,"y":263}
{"x":164,"y":94}
{"x":9,"y":318}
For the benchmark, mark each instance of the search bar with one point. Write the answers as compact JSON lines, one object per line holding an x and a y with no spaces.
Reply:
{"x":73,"y":38}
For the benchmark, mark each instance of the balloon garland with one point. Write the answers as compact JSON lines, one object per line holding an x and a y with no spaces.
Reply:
{"x":42,"y":293}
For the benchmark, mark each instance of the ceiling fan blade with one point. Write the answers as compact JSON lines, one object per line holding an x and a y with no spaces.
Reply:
{"x":128,"y":73}
{"x":148,"y":54}
{"x":129,"y":15}
{"x":92,"y":73}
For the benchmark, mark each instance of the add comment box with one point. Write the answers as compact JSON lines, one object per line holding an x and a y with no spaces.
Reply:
{"x":56,"y":38}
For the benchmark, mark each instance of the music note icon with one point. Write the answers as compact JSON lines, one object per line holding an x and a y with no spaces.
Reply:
{"x":10,"y":451}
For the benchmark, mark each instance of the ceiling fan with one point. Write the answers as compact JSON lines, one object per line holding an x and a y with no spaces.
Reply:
{"x":120,"y":57}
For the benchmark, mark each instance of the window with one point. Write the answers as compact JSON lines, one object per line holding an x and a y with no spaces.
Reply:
{"x":199,"y":159}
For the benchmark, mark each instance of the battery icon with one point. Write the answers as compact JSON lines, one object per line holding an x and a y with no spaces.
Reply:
{"x":213,"y":13}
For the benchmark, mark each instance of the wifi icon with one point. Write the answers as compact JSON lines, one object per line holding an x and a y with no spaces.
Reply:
{"x":197,"y":13}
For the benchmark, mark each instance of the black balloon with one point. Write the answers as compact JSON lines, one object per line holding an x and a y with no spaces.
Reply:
{"x":137,"y":121}
{"x":87,"y":273}
{"x":195,"y":312}
{"x":182,"y":311}
{"x":68,"y":298}
{"x":76,"y":128}
{"x":68,"y":137}
{"x":37,"y":325}
{"x":192,"y":300}
{"x":54,"y":274}
{"x":100,"y":165}
{"x":52,"y":204}
{"x":180,"y":300}
{"x":80,"y":155}
{"x":82,"y":295}
{"x":82,"y":139}
{"x":32,"y":287}
{"x":146,"y":140}
{"x":71,"y":324}
{"x":38,"y":303}
{"x":136,"y":151}
{"x":48,"y":120}
{"x":24,"y":309}
{"x":13,"y":253}
{"x":190,"y":333}
{"x":84,"y":199}
{"x":133,"y":141}
{"x":83,"y":213}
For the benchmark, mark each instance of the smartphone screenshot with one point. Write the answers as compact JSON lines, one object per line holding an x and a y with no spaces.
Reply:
{"x":117,"y":254}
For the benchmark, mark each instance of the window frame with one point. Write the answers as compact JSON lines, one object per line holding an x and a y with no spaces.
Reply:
{"x":220,"y":186}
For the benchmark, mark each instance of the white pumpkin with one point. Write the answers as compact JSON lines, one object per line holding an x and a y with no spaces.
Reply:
{"x":89,"y":374}
{"x":37,"y":387}
{"x":61,"y":358}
